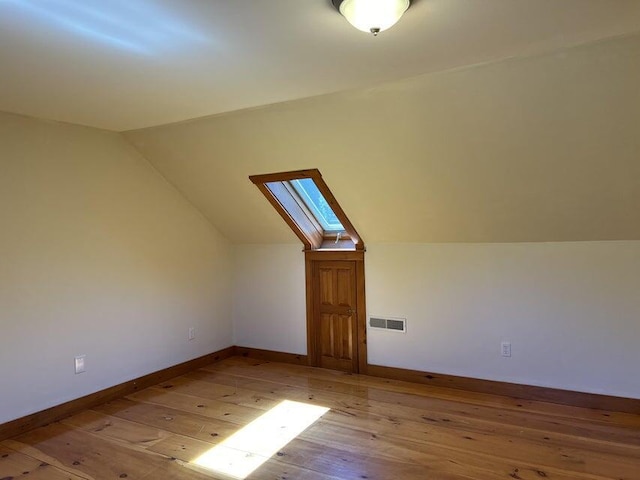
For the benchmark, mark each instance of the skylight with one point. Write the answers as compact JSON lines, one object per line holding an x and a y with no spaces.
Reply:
{"x":315,"y":201}
{"x":306,"y":204}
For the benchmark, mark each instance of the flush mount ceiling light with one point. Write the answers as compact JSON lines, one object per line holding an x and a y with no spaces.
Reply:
{"x":372,"y":16}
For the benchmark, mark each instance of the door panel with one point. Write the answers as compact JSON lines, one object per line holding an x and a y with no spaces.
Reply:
{"x":345,"y":287}
{"x":344,"y":337}
{"x":335,"y":314}
{"x":326,"y":335}
{"x":326,"y":280}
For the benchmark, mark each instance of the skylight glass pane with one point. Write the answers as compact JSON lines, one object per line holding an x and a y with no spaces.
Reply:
{"x":315,"y":201}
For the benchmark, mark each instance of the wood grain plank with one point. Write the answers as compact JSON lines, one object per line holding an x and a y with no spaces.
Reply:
{"x":169,"y":419}
{"x":407,"y":431}
{"x":375,"y":429}
{"x":187,"y":449}
{"x":15,"y":465}
{"x":379,"y":414}
{"x":92,"y":457}
{"x":399,"y":386}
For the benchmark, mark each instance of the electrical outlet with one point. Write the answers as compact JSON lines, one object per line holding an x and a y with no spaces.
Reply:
{"x":80,"y":364}
{"x":192,"y":333}
{"x":505,"y":349}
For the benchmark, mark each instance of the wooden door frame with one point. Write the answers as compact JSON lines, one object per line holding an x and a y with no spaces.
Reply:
{"x":312,"y":256}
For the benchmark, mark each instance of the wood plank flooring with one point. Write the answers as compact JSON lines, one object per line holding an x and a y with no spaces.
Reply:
{"x":375,"y":429}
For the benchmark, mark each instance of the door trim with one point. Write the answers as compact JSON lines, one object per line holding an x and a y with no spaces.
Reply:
{"x":361,"y":314}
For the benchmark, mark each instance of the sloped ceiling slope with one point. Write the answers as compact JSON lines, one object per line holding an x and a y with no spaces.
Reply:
{"x":545,"y":148}
{"x":125,"y":65}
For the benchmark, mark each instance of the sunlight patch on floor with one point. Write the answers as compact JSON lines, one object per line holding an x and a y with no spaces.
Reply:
{"x":243,"y":452}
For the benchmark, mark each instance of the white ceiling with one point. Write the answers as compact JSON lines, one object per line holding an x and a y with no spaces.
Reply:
{"x":128,"y":64}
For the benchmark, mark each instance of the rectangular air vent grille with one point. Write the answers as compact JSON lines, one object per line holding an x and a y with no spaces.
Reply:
{"x":387,"y":323}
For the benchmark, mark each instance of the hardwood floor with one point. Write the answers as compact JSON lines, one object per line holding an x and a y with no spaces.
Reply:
{"x":375,"y":429}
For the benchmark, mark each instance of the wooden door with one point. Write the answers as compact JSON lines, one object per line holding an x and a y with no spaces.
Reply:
{"x":334,"y":311}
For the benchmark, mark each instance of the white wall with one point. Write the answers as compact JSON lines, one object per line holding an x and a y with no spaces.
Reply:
{"x":269,"y":307}
{"x":571,"y":310}
{"x":99,"y":255}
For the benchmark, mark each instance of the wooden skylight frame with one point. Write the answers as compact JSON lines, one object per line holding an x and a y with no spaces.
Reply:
{"x":283,"y":197}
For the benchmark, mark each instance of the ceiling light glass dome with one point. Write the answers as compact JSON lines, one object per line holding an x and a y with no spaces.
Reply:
{"x":372,"y":16}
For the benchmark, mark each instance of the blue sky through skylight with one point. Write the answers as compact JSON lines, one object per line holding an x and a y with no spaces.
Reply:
{"x":315,"y":201}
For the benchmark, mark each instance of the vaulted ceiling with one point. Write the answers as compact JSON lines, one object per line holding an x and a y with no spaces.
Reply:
{"x":127,"y":64}
{"x":469,"y":121}
{"x":543,"y":148}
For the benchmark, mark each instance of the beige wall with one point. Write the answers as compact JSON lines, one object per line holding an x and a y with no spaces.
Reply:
{"x":99,"y":255}
{"x":269,"y":307}
{"x":569,"y":309}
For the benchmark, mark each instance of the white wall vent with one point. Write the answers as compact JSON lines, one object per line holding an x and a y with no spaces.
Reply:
{"x":388,"y":323}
